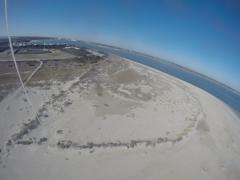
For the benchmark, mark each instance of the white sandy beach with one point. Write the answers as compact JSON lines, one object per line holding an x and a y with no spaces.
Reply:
{"x":118,"y":120}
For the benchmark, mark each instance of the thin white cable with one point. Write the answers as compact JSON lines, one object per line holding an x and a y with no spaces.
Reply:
{"x":13,"y":56}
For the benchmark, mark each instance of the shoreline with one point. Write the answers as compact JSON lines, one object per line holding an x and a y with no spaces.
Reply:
{"x":157,"y":70}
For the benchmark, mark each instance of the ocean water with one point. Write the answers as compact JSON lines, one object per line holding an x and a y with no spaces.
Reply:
{"x":219,"y":90}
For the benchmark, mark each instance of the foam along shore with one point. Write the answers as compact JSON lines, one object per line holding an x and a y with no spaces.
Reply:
{"x":116,"y":119}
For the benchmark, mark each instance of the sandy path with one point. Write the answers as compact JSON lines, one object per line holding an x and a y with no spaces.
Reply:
{"x":33,"y":73}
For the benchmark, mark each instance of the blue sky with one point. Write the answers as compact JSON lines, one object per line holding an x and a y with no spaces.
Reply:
{"x":203,"y":35}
